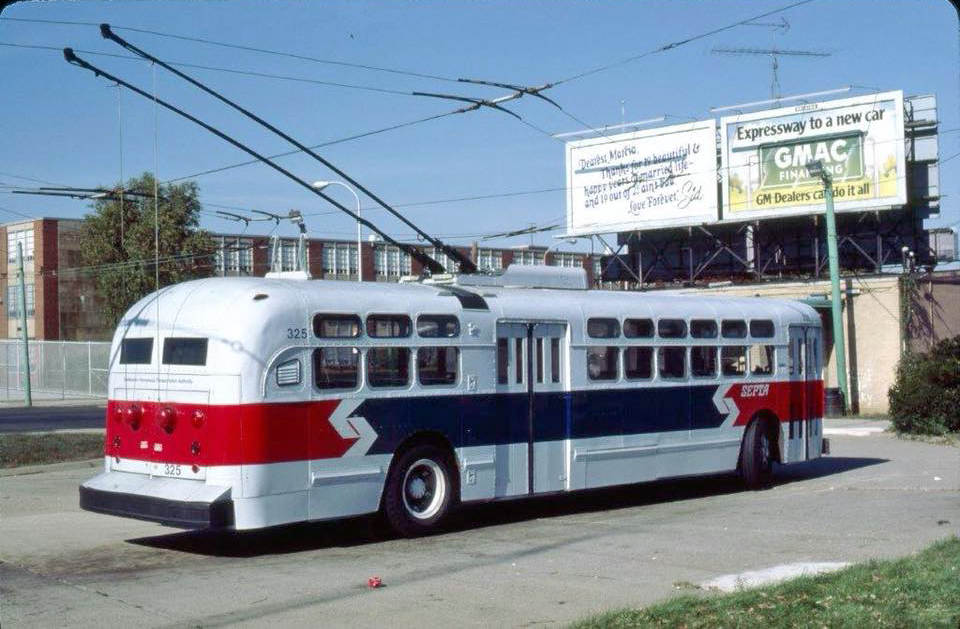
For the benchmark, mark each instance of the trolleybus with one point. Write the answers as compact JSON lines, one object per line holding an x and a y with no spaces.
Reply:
{"x":253,"y":402}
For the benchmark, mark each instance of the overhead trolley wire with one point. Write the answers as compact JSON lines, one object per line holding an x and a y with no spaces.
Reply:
{"x":466,"y":265}
{"x":427,"y":261}
{"x":279,"y":53}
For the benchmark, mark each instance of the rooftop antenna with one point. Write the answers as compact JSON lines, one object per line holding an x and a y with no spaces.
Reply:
{"x":777,"y":28}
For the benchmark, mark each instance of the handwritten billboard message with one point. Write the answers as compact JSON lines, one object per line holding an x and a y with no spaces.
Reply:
{"x":642,"y":180}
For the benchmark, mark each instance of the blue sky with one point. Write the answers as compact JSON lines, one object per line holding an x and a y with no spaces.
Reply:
{"x":61,"y":123}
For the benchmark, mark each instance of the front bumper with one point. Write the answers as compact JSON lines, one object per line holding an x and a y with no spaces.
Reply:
{"x":179,"y":503}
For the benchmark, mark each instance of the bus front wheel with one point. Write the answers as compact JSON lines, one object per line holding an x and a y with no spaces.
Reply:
{"x":419,"y":491}
{"x":756,"y":455}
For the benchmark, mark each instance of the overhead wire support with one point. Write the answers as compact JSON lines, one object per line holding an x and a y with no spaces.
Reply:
{"x":519,"y":89}
{"x":477,"y":102}
{"x":466,"y":265}
{"x":432,"y":265}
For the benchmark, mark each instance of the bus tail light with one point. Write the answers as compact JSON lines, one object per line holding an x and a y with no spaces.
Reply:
{"x":197,"y":418}
{"x":133,"y":416}
{"x":118,"y":413}
{"x":167,"y":419}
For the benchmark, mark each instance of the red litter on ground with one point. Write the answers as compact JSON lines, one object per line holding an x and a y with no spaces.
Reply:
{"x":374,"y":582}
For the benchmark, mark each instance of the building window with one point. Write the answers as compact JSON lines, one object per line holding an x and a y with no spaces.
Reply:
{"x":390,"y":262}
{"x":25,"y":238}
{"x":597,"y":268}
{"x":13,"y":300}
{"x":489,"y":259}
{"x":339,"y":258}
{"x":234,"y":256}
{"x":567,"y":259}
{"x":528,"y":257}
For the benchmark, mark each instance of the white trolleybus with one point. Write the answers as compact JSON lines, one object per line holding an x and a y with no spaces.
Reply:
{"x":252,"y":402}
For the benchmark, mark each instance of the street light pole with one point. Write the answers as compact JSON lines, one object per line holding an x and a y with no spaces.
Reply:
{"x":817,"y":169}
{"x":320,"y":185}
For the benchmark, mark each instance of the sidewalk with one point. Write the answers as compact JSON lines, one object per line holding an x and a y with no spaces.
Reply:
{"x":42,"y":402}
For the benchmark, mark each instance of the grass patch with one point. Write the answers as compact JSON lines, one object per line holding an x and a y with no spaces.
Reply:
{"x":922,"y":590}
{"x":17,"y":450}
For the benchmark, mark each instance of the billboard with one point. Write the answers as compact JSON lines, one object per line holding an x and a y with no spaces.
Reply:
{"x":859,"y":140}
{"x":642,"y":180}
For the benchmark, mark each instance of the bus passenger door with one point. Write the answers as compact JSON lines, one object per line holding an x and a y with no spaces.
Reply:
{"x":531,"y":370}
{"x":547,"y":426}
{"x":814,"y":394}
{"x":796,"y":449}
{"x":511,"y":410}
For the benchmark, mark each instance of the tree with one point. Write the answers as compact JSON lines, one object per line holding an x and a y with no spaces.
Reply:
{"x":122,"y":258}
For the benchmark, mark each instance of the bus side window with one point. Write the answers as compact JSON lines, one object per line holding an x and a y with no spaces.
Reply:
{"x":602,"y":362}
{"x":336,"y":367}
{"x":438,"y":326}
{"x":761,"y":328}
{"x":388,"y":366}
{"x":671,"y":362}
{"x":388,"y":326}
{"x":437,"y":365}
{"x":601,"y":328}
{"x":703,"y":361}
{"x":733,"y":329}
{"x":733,"y":360}
{"x":331,"y":326}
{"x":638,"y":363}
{"x":503,"y":359}
{"x":671,"y":328}
{"x":761,"y":360}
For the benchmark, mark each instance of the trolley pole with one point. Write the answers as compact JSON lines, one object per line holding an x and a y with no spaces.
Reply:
{"x":25,"y":368}
{"x":817,"y":169}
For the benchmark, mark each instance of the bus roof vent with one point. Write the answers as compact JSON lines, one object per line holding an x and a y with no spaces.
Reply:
{"x":522,"y":276}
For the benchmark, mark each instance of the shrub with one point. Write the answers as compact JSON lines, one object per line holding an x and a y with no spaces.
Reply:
{"x":925,"y":399}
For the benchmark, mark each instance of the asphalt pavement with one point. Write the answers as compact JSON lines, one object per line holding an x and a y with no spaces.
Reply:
{"x":48,"y":417}
{"x":545,"y":561}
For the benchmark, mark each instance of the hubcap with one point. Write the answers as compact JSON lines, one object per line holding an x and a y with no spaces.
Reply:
{"x":424,"y":489}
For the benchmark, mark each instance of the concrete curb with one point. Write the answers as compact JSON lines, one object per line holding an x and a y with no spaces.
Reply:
{"x":64,"y":466}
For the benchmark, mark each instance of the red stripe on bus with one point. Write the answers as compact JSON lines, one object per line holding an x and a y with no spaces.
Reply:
{"x":789,"y":401}
{"x":229,"y":435}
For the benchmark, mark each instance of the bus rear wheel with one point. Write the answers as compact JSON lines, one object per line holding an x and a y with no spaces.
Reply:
{"x":756,"y":455}
{"x":419,"y":491}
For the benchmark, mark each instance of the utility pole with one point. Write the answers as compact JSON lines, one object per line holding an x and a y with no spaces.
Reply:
{"x":817,"y":169}
{"x":27,"y":394}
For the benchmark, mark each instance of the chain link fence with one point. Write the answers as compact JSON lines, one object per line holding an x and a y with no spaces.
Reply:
{"x":58,"y":370}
